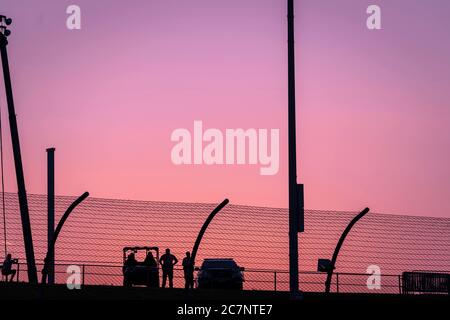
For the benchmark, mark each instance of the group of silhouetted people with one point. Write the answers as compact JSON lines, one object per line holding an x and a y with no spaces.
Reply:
{"x":132,"y":262}
{"x":167,"y":262}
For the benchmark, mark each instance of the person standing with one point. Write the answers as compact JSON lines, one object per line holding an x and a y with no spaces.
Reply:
{"x":167,"y":262}
{"x":128,"y":268}
{"x":188,"y":268}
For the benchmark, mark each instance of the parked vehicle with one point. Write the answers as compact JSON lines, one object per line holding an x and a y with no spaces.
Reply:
{"x":145,"y":272}
{"x":220,"y":274}
{"x":425,"y":282}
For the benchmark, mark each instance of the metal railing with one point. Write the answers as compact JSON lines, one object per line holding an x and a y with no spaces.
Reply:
{"x":269,"y":280}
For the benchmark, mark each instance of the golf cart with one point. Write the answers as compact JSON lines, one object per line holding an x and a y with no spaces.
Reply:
{"x":144,"y":271}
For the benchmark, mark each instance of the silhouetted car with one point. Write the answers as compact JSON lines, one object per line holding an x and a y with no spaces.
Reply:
{"x":220,"y":274}
{"x":141,"y":273}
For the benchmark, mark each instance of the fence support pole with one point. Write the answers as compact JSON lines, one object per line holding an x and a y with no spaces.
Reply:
{"x":51,"y":213}
{"x":82,"y":280}
{"x":275,"y":280}
{"x":338,"y":247}
{"x":337,"y":282}
{"x":66,"y":214}
{"x":203,"y":229}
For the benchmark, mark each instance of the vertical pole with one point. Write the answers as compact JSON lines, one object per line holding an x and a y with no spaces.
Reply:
{"x":337,"y":282}
{"x":293,"y":201}
{"x":51,"y":213}
{"x":23,"y":203}
{"x":83,"y":271}
{"x":275,"y":280}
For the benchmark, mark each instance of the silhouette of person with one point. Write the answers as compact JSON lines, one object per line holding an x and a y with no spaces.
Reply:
{"x":128,"y":266}
{"x":150,"y":260}
{"x":130,"y":262}
{"x":7,"y":269}
{"x":188,"y":268}
{"x":45,"y":269}
{"x":167,"y":262}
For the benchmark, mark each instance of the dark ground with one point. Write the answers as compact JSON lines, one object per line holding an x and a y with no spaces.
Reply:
{"x":120,"y":300}
{"x":24,"y":291}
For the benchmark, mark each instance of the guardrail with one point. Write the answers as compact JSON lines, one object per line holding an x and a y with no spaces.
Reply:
{"x":274,"y":280}
{"x":270,"y":280}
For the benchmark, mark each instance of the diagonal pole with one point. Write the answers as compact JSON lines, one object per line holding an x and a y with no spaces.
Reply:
{"x":23,"y":203}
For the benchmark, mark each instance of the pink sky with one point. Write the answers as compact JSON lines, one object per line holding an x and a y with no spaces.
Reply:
{"x":373,"y":106}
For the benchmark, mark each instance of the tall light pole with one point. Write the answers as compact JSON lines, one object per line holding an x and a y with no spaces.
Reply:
{"x":296,"y":211}
{"x":23,"y":203}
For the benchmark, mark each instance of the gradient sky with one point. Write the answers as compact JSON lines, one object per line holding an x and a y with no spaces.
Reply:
{"x":373,"y":106}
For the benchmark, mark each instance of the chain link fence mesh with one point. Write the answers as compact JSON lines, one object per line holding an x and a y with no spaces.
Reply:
{"x":255,"y":237}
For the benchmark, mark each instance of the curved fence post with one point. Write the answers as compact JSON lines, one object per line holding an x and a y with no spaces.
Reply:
{"x":338,"y":247}
{"x":49,"y":258}
{"x":203,"y":229}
